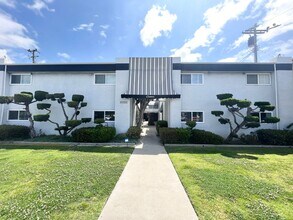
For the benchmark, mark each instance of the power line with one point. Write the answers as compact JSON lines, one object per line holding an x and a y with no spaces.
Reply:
{"x":33,"y":54}
{"x":252,"y":41}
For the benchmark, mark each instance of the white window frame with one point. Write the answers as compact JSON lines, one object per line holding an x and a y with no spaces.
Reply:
{"x":18,"y":110}
{"x":259,"y":74}
{"x":105,"y":114}
{"x":259,"y":115}
{"x":192,"y":74}
{"x":265,"y":113}
{"x":104,"y":74}
{"x":192,"y":111}
{"x":21,"y":74}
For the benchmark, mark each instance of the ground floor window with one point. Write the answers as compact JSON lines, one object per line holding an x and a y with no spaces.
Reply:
{"x":191,"y":116}
{"x":105,"y":115}
{"x":262,"y":116}
{"x":17,"y":115}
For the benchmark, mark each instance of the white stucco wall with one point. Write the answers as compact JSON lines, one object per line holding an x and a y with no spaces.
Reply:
{"x":203,"y":98}
{"x":98,"y":97}
{"x":122,"y":105}
{"x":285,"y":100}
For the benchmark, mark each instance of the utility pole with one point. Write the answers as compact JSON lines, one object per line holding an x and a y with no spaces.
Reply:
{"x":33,"y":56}
{"x":252,"y":41}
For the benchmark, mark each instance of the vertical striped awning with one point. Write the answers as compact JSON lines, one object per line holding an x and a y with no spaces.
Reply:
{"x":150,"y":78}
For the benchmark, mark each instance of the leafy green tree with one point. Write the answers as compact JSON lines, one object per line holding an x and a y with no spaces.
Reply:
{"x":70,"y":122}
{"x":244,"y":115}
{"x":25,"y":99}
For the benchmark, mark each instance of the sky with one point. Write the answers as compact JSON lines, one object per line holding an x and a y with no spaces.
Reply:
{"x":78,"y":31}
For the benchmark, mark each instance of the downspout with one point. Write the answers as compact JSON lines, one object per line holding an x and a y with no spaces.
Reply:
{"x":3,"y":92}
{"x":276,"y":94}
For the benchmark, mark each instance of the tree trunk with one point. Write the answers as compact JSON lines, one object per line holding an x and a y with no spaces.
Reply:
{"x":234,"y":132}
{"x":142,"y":106}
{"x":32,"y":128}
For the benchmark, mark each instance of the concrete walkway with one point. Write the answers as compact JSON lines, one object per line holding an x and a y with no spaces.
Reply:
{"x":149,"y":187}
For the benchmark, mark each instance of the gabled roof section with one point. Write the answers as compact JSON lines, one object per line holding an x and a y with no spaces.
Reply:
{"x":150,"y":77}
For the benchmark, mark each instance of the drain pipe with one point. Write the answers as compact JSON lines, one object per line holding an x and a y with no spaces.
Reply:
{"x":276,"y":94}
{"x":3,"y":92}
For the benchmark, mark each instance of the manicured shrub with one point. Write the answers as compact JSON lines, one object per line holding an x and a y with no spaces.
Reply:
{"x":94,"y":134}
{"x":272,"y":136}
{"x":174,"y":135}
{"x":161,"y":124}
{"x":40,"y":95}
{"x":205,"y":137}
{"x":249,"y":139}
{"x":183,"y":135}
{"x":72,"y":104}
{"x":190,"y":124}
{"x":9,"y":132}
{"x":133,"y":132}
{"x":77,"y":98}
{"x":40,"y":117}
{"x":42,"y":106}
{"x":289,"y":138}
{"x":73,"y":123}
{"x":23,"y":98}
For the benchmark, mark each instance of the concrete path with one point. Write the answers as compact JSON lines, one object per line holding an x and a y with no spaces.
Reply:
{"x":149,"y":187}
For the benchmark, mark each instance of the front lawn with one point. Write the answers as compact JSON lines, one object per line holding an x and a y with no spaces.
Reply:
{"x":38,"y":182}
{"x":237,"y":183}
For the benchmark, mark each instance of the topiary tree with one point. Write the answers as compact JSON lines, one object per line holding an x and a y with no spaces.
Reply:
{"x":70,"y":122}
{"x":244,"y":115}
{"x":25,"y":99}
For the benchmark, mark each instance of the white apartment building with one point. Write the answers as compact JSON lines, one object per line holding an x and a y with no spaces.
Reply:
{"x":186,"y":91}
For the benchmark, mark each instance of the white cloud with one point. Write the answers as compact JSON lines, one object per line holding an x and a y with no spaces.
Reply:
{"x":14,"y":34}
{"x":215,"y":18}
{"x":4,"y":54}
{"x":278,"y":12}
{"x":39,"y":5}
{"x":157,"y":21}
{"x":64,"y":55}
{"x":228,"y":59}
{"x":103,"y":34}
{"x":9,"y":3}
{"x":242,"y":39}
{"x":186,"y":55}
{"x":105,"y":26}
{"x":86,"y":27}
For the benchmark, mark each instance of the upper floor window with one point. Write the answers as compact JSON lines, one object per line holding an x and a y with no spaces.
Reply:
{"x":262,"y":116}
{"x":20,"y":79}
{"x":192,"y":78}
{"x":105,"y":79}
{"x":17,"y":115}
{"x":259,"y":79}
{"x":192,"y":116}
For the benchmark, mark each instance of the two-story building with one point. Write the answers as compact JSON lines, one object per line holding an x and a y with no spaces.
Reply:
{"x":186,"y":91}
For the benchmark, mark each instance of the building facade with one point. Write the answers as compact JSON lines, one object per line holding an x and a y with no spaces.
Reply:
{"x":186,"y":91}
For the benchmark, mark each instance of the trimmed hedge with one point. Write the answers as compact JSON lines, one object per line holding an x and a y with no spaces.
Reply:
{"x":161,"y":124}
{"x":9,"y":132}
{"x":187,"y":136}
{"x":289,"y":137}
{"x":133,"y":132}
{"x":274,"y":137}
{"x":94,"y":134}
{"x":174,"y":135}
{"x":205,"y":137}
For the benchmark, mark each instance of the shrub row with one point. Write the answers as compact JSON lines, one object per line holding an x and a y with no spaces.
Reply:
{"x":184,"y":136}
{"x":94,"y":134}
{"x":275,"y":137}
{"x":9,"y":132}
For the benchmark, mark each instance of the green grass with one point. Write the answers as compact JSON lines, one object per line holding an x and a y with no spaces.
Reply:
{"x":38,"y":182}
{"x":237,"y":183}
